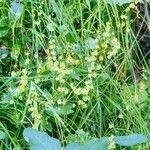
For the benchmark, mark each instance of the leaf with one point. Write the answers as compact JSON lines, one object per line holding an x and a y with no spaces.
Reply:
{"x":75,"y":75}
{"x":90,"y":43}
{"x":3,"y":31}
{"x":70,"y":37}
{"x":3,"y":52}
{"x":130,"y":140}
{"x":103,"y":77}
{"x":102,"y":144}
{"x":64,"y":110}
{"x":76,"y":48}
{"x":2,"y":135}
{"x":121,"y":2}
{"x":15,"y":12}
{"x":72,"y":146}
{"x":96,"y":144}
{"x":40,"y":140}
{"x":88,"y":3}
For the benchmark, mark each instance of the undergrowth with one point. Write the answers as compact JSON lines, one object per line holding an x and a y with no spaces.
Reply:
{"x":69,"y":67}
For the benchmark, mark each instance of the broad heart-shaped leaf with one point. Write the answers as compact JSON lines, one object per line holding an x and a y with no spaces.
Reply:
{"x":2,"y":135}
{"x":15,"y":12}
{"x":130,"y":140}
{"x":40,"y":140}
{"x":96,"y":144}
{"x":72,"y":146}
{"x":121,"y":2}
{"x":102,"y":144}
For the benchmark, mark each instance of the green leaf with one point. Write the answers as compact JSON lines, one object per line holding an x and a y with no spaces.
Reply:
{"x":6,"y":97}
{"x":130,"y":140}
{"x":3,"y":33}
{"x":3,"y":52}
{"x":64,"y":110}
{"x":102,"y":144}
{"x":72,"y":146}
{"x":2,"y":135}
{"x":103,"y":77}
{"x":76,"y":48}
{"x":70,"y":37}
{"x":88,"y":3}
{"x":16,"y":11}
{"x":90,"y":43}
{"x":96,"y":144}
{"x":121,"y":2}
{"x":4,"y":25}
{"x":40,"y":140}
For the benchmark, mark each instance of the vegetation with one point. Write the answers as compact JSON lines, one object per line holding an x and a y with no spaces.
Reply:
{"x":75,"y":70}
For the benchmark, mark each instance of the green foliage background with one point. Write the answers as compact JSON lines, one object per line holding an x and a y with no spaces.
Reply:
{"x":67,"y":67}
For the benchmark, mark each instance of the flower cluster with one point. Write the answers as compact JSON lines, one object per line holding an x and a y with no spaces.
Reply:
{"x":56,"y":64}
{"x":110,"y":44}
{"x":82,"y":90}
{"x":92,"y":64}
{"x":34,"y":108}
{"x":111,"y":144}
{"x":124,"y":16}
{"x":71,"y":59}
{"x":23,"y":81}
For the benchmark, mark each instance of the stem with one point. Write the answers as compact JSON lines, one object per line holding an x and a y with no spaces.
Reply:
{"x":147,"y":13}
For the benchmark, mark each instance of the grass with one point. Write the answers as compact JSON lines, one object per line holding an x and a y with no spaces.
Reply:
{"x":69,"y":67}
